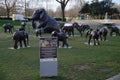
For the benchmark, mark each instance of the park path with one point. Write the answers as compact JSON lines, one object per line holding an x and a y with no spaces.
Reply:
{"x":116,"y":77}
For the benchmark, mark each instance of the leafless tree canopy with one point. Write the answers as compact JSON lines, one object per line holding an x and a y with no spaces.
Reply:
{"x":9,"y":6}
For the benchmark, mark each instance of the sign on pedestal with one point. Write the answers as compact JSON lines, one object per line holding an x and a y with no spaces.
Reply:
{"x":48,"y":57}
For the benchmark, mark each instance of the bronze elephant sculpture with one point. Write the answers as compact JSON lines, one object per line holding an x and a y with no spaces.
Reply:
{"x":61,"y":36}
{"x":68,"y":29}
{"x":93,"y":34}
{"x":20,"y":37}
{"x":102,"y":33}
{"x":79,"y":28}
{"x":8,"y":28}
{"x":114,"y":29}
{"x":48,"y":23}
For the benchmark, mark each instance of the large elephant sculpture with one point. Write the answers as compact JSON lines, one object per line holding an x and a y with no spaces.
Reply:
{"x":61,"y":36}
{"x":48,"y":23}
{"x":20,"y":37}
{"x":8,"y":27}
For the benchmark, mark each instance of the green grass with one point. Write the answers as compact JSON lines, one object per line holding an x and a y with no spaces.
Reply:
{"x":81,"y":62}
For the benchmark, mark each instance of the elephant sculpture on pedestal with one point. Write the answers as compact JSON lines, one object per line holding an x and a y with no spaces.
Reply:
{"x":114,"y":29}
{"x":8,"y":28}
{"x":61,"y":36}
{"x":93,"y":34}
{"x":102,"y":33}
{"x":19,"y":37}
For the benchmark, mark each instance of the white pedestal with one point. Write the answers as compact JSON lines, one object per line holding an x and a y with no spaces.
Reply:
{"x":48,"y":67}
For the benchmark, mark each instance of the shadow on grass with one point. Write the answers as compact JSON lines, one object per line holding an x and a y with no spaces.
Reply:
{"x":54,"y":78}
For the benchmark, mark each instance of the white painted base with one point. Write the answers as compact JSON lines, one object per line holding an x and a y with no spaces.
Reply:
{"x":18,"y":47}
{"x":65,"y":47}
{"x":48,"y":67}
{"x":91,"y":43}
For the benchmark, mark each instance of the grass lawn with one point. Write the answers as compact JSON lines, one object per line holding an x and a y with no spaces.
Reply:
{"x":81,"y":62}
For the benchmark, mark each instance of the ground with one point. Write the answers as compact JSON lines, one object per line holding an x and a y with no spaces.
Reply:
{"x":81,"y":62}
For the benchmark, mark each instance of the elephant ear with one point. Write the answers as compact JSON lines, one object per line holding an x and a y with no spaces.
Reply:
{"x":42,"y":12}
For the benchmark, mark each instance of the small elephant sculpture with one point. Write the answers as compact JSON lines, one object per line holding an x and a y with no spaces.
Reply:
{"x":93,"y":34}
{"x":8,"y":28}
{"x":20,"y":36}
{"x":79,"y":28}
{"x":114,"y":29}
{"x":48,"y":23}
{"x":68,"y":29}
{"x":61,"y":36}
{"x":103,"y":33}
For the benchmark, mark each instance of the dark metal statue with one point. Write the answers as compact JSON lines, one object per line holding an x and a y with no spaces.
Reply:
{"x":114,"y":29}
{"x":19,"y":37}
{"x":78,"y":27}
{"x":61,"y":37}
{"x":68,"y":29}
{"x":102,"y":33}
{"x":85,"y":27}
{"x":48,"y":23}
{"x":8,"y":28}
{"x":93,"y":34}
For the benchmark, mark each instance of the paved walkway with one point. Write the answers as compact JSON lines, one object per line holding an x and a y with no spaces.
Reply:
{"x":116,"y":77}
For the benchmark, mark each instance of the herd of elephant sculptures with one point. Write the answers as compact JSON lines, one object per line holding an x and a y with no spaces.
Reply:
{"x":62,"y":32}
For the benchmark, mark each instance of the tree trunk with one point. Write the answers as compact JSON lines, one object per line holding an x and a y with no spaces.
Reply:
{"x":63,"y":12}
{"x":8,"y":13}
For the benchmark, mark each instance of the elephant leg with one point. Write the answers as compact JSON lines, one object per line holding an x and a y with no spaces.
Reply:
{"x":94,"y":42}
{"x":81,"y":33}
{"x":98,"y":41}
{"x":36,"y":34}
{"x":9,"y":30}
{"x":104,"y":36}
{"x":65,"y":43}
{"x":73,"y":33}
{"x":40,"y":33}
{"x":117,"y":33}
{"x":111,"y":33}
{"x":25,"y":43}
{"x":20,"y":43}
{"x":69,"y":33}
{"x":101,"y":37}
{"x":89,"y":39}
{"x":15,"y":44}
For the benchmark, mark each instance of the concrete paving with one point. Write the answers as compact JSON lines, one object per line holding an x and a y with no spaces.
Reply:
{"x":116,"y":77}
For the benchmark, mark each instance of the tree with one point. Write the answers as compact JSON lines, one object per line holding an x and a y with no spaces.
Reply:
{"x":9,"y":6}
{"x":85,"y":9}
{"x":63,"y":4}
{"x":2,"y":11}
{"x":98,"y":9}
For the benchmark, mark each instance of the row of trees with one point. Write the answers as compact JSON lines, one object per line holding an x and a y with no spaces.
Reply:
{"x":97,"y":9}
{"x":9,"y":7}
